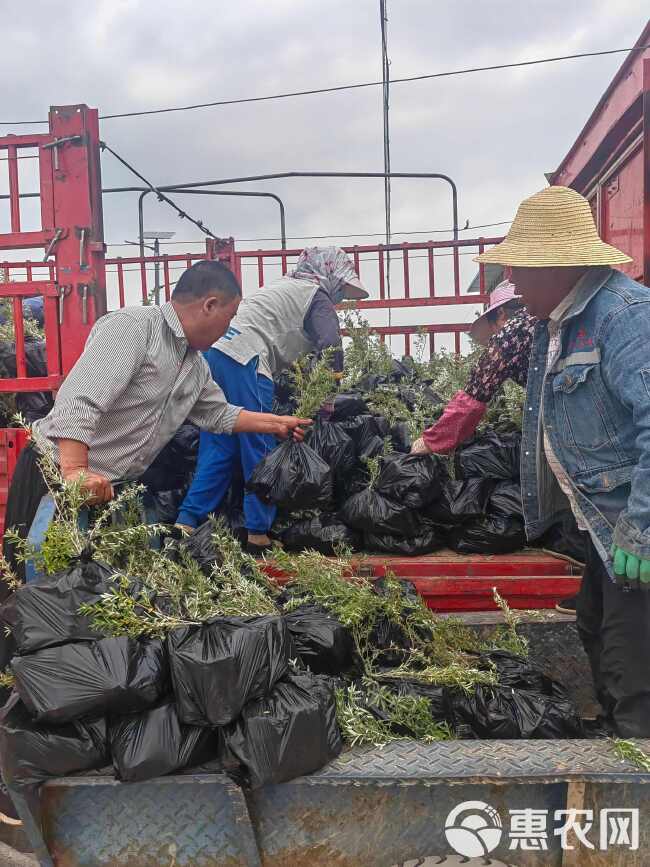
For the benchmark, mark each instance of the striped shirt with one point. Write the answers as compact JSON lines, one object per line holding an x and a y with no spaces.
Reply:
{"x":135,"y":383}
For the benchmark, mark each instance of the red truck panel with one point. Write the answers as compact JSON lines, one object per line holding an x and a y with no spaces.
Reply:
{"x":609,"y":162}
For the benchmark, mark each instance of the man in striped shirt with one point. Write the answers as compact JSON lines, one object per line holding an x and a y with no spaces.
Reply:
{"x":141,"y":375}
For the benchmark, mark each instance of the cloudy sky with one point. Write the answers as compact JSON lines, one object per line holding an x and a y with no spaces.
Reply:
{"x":495,"y":133}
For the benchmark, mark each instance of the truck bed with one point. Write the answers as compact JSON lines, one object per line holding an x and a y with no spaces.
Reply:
{"x":457,"y":582}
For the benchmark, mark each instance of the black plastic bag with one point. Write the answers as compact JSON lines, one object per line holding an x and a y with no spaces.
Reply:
{"x":566,"y":539}
{"x":428,"y":539}
{"x":201,"y":548}
{"x":292,"y":476}
{"x":331,"y":443}
{"x":219,"y":666}
{"x":505,"y":500}
{"x":372,"y":447}
{"x":116,"y":675}
{"x":348,"y":405}
{"x":32,"y":405}
{"x":526,"y":703}
{"x":490,"y":456}
{"x":389,"y":637}
{"x":371,"y":512}
{"x":400,"y":437}
{"x":461,"y":501}
{"x":174,"y":466}
{"x":440,"y":704}
{"x":167,"y":504}
{"x":364,"y":429}
{"x":412,"y":480}
{"x":322,"y":533}
{"x":355,"y":482}
{"x":320,"y":640}
{"x":291,"y":732}
{"x":489,"y":535}
{"x":283,"y":384}
{"x":31,"y":753}
{"x":155,"y":742}
{"x":46,"y":612}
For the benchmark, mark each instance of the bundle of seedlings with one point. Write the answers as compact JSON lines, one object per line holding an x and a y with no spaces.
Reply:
{"x":415,"y":674}
{"x":169,"y":643}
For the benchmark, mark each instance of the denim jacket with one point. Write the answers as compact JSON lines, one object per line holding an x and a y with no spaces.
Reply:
{"x":596,"y":413}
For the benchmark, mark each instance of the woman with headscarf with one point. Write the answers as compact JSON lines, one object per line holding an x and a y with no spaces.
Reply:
{"x":293,"y":315}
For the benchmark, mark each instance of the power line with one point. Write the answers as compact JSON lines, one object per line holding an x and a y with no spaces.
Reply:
{"x":337,"y":235}
{"x":162,"y":197}
{"x":341,"y":87}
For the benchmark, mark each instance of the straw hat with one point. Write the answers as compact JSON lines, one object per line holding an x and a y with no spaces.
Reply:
{"x":553,"y":228}
{"x":505,"y":293}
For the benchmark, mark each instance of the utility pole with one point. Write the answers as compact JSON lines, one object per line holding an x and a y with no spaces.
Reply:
{"x":385,"y":73}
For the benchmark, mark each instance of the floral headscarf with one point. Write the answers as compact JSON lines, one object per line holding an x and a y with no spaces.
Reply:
{"x":327,"y":266}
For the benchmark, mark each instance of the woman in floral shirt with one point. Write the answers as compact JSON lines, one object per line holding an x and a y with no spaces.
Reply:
{"x":506,"y":330}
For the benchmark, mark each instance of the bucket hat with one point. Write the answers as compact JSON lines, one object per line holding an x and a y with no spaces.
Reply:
{"x":504,"y":293}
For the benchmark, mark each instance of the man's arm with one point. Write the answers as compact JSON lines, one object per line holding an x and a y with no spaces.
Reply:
{"x":213,"y":413}
{"x":626,"y":370}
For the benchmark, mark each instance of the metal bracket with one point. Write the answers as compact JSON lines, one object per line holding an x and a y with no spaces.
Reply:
{"x":69,"y":139}
{"x":58,"y":236}
{"x":64,"y":291}
{"x":83,"y":234}
{"x":84,"y":289}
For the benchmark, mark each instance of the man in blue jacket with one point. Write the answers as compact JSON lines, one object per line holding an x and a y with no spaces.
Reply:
{"x":586,"y":431}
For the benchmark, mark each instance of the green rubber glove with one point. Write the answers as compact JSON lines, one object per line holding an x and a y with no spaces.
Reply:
{"x":631,"y":571}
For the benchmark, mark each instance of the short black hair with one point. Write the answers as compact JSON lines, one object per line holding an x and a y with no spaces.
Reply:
{"x":205,"y":278}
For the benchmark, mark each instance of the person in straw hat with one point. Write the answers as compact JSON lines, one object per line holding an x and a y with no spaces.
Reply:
{"x":506,"y":330}
{"x":586,"y":430}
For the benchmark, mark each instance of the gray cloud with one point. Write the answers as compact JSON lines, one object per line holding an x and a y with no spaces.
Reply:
{"x":494,"y":133}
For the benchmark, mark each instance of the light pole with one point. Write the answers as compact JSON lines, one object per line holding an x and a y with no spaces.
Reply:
{"x":156,"y":237}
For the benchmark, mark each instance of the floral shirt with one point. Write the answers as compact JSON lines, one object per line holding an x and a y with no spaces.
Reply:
{"x":506,"y":357}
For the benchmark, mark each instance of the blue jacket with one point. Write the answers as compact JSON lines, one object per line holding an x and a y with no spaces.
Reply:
{"x":596,"y":408}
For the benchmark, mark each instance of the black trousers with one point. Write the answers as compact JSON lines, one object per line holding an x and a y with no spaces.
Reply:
{"x":25,"y":492}
{"x":614,"y":626}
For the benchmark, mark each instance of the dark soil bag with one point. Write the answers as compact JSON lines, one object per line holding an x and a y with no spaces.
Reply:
{"x":220,"y":666}
{"x":489,"y":535}
{"x":201,"y":548}
{"x":461,"y":501}
{"x":505,"y":500}
{"x":168,"y":504}
{"x":566,"y":539}
{"x":414,"y":481}
{"x":174,"y":466}
{"x":371,"y":512}
{"x":440,"y":704}
{"x":526,"y":704}
{"x":321,"y":641}
{"x":31,"y":753}
{"x":428,"y":539}
{"x":348,"y":405}
{"x":490,"y":456}
{"x":334,"y":446}
{"x":292,"y":476}
{"x":46,"y":613}
{"x":365,"y":430}
{"x":291,"y":732}
{"x":389,"y":637}
{"x":155,"y":742}
{"x":400,"y":437}
{"x":323,"y":533}
{"x":116,"y":675}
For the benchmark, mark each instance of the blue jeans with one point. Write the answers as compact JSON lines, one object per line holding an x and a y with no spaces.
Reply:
{"x":245,"y":387}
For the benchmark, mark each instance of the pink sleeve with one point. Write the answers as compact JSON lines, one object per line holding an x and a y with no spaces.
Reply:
{"x":458,"y":422}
